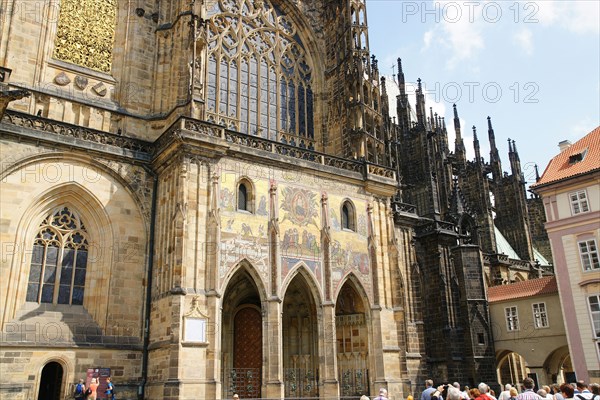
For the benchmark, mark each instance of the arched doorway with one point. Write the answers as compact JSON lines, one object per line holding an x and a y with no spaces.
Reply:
{"x":558,"y":366}
{"x":300,"y":341}
{"x":51,"y":381}
{"x":352,"y":347}
{"x":512,"y":368}
{"x":242,"y":338}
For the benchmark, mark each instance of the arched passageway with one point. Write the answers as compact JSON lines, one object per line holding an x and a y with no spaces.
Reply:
{"x":512,"y":368}
{"x":51,"y":382}
{"x":559,"y":367}
{"x":352,"y":347}
{"x":300,"y":340}
{"x":242,"y":338}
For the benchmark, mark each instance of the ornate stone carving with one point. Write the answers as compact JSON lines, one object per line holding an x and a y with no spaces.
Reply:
{"x":87,"y":134}
{"x":81,"y":82}
{"x":100,"y":89}
{"x":194,"y":310}
{"x":86,"y":32}
{"x":62,"y":79}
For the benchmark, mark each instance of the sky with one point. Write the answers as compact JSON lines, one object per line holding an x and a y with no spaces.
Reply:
{"x":532,"y":66}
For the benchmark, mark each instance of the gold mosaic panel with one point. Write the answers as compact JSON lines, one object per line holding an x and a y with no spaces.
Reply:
{"x":86,"y":32}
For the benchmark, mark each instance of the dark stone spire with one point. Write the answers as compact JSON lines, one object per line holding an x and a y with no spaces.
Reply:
{"x":420,"y":104}
{"x":494,"y":155}
{"x":476,"y":146}
{"x":459,"y":145}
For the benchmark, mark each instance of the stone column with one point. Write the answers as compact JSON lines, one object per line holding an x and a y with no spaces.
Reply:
{"x":272,"y":387}
{"x":377,"y":365}
{"x":328,"y":352}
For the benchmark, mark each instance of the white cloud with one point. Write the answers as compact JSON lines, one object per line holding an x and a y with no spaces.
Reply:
{"x":581,"y":128}
{"x":579,"y":16}
{"x":455,"y":31}
{"x":464,"y":39}
{"x":427,"y":38}
{"x":524,"y":38}
{"x":465,"y":36}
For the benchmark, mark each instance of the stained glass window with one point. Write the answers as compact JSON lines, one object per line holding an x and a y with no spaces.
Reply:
{"x":59,"y":260}
{"x":273,"y":88}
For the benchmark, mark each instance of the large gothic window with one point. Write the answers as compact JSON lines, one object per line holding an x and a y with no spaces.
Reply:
{"x":86,"y":32}
{"x":59,"y":260}
{"x":259,"y":75}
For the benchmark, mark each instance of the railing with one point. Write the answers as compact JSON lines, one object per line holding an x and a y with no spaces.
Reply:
{"x":301,"y":383}
{"x":354,"y":382}
{"x":256,"y":142}
{"x":436,"y":226}
{"x":199,"y":127}
{"x":404,"y":208}
{"x":246,"y":382}
{"x":65,"y":129}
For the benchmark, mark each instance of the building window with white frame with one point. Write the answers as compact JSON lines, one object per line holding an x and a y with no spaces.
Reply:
{"x":540,"y":316}
{"x":579,"y":202}
{"x":588,"y":251}
{"x":512,"y":319}
{"x":594,"y":303}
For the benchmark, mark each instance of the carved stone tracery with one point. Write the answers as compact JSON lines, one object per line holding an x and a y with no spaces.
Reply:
{"x":86,"y":33}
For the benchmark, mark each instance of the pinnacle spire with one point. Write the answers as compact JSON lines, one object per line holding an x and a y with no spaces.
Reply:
{"x":476,"y":146}
{"x":494,"y":155}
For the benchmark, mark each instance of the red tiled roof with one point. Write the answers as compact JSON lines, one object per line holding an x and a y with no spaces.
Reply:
{"x":560,"y":168}
{"x":532,"y":287}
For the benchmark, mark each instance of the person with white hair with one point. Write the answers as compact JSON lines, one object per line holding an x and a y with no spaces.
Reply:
{"x":484,"y":389}
{"x":454,"y":393}
{"x":463,"y":395}
{"x":383,"y":394}
{"x":505,"y":395}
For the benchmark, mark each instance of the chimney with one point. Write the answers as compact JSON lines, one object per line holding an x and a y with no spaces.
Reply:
{"x":565,"y":144}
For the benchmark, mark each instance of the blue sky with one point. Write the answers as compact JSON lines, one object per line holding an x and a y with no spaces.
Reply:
{"x":532,"y":66}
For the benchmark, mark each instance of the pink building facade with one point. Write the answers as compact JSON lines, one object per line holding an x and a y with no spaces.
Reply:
{"x":570,"y":189}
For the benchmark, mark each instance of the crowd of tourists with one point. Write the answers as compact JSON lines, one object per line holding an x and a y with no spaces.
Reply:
{"x":566,"y":391}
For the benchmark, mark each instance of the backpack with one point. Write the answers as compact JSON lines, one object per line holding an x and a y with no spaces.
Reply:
{"x":88,"y":391}
{"x":79,"y":390}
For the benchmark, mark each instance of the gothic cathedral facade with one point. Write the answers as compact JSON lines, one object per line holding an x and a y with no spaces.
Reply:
{"x":209,"y":197}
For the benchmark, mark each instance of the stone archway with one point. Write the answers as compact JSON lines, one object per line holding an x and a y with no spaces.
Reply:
{"x":242,"y":338}
{"x":300,"y":341}
{"x":559,"y":366}
{"x":512,"y":367}
{"x":51,"y":381}
{"x":352,"y":347}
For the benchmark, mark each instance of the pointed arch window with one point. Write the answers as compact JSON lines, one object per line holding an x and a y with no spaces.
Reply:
{"x":245,"y":195}
{"x":59,"y":260}
{"x":242,"y":197}
{"x":259,"y":75}
{"x":348,"y":216}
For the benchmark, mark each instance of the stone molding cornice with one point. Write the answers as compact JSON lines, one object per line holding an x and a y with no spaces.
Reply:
{"x":214,"y":140}
{"x":47,"y":130}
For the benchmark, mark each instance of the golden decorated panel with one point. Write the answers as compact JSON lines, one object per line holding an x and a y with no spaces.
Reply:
{"x":86,"y":33}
